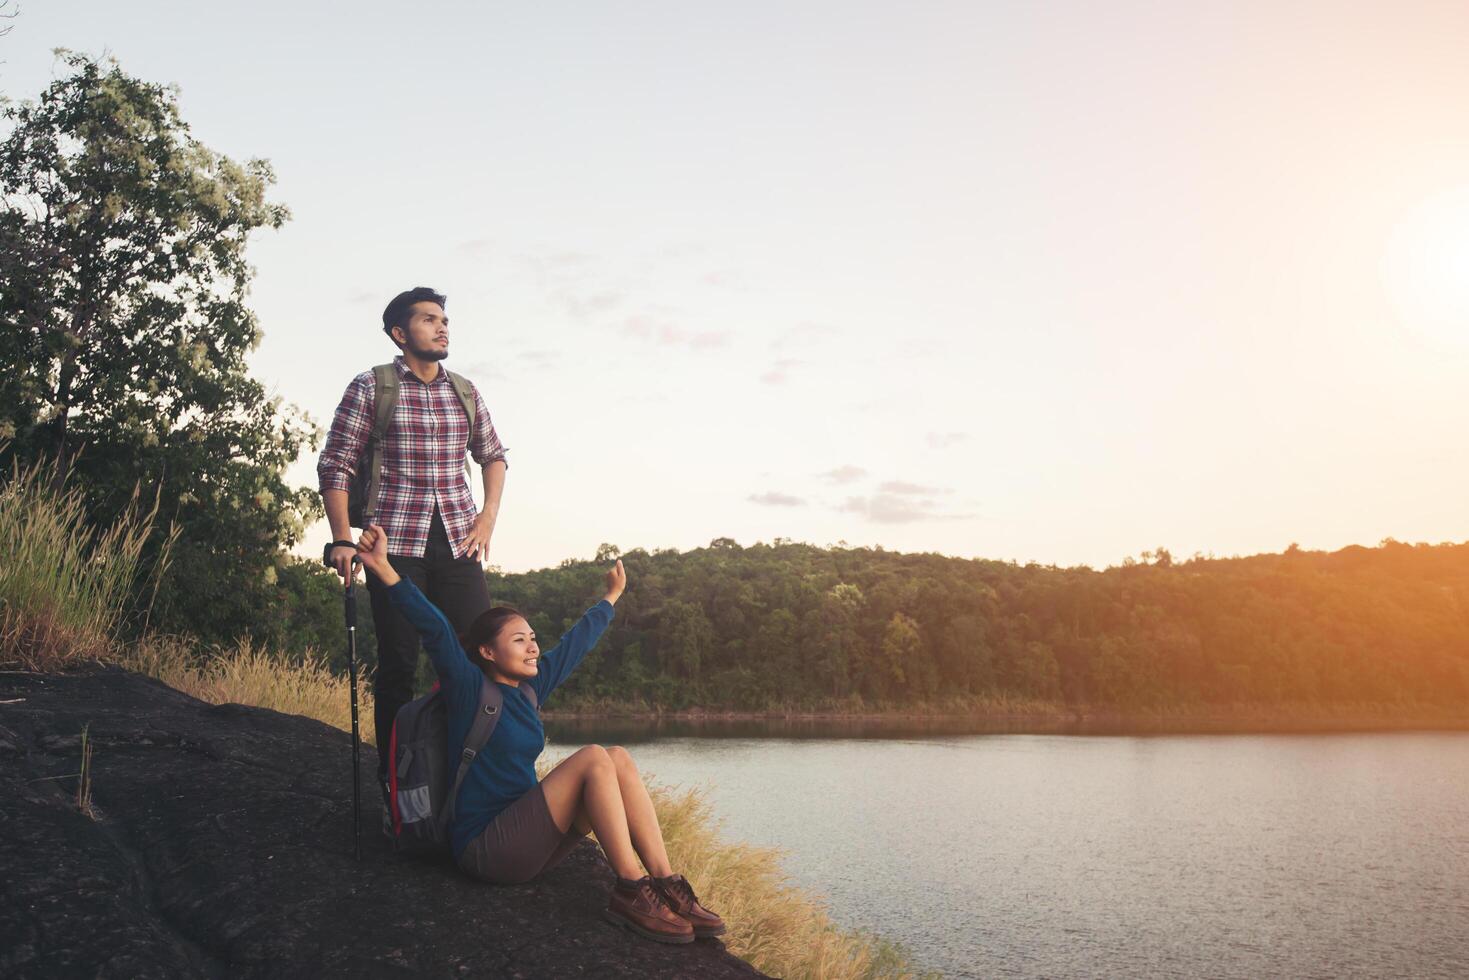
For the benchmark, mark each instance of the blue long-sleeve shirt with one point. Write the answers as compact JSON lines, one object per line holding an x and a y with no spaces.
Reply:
{"x":505,"y":768}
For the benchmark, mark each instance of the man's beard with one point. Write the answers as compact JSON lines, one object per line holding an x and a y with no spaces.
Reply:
{"x":428,"y":353}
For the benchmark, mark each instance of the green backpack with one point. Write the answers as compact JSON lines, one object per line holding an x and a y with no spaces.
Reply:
{"x":363,"y":493}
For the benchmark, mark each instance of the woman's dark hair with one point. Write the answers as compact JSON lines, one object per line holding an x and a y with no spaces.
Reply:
{"x":397,"y":312}
{"x":484,"y":629}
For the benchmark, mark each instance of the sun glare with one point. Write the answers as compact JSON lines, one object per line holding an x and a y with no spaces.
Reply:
{"x":1426,"y":267}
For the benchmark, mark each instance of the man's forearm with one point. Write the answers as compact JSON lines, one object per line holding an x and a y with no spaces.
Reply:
{"x":494,"y":477}
{"x":335,"y":502}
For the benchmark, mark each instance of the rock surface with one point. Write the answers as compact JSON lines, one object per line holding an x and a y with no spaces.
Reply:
{"x":221,"y":845}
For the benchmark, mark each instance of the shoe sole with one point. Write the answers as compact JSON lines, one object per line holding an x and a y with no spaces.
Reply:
{"x":657,"y":937}
{"x":708,"y":932}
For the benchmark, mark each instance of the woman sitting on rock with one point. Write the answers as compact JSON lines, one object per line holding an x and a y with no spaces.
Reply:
{"x":507,"y":827}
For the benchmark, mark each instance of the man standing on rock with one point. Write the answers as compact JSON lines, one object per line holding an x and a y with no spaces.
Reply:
{"x":412,"y":422}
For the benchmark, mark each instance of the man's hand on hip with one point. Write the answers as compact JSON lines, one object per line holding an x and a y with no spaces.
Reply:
{"x":477,"y":541}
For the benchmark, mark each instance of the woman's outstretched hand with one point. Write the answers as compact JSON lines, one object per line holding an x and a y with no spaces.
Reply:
{"x":372,"y":548}
{"x":616,"y":582}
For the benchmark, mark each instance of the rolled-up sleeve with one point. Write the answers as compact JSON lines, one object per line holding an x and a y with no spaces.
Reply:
{"x":486,"y":447}
{"x":351,"y":428}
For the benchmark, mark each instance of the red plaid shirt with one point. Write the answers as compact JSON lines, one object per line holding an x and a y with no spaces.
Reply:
{"x":423,"y":457}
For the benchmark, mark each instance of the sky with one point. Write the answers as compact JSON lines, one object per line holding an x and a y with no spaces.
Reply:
{"x":1056,"y":282}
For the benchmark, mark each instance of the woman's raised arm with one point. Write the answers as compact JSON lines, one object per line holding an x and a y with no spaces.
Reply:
{"x":558,"y":663}
{"x":438,"y":635}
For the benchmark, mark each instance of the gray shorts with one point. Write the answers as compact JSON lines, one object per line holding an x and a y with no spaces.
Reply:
{"x":520,"y":843}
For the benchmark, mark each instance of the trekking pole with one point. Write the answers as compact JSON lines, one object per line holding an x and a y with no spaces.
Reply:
{"x":351,"y":604}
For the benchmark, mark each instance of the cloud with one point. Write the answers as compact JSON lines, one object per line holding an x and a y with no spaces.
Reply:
{"x":777,"y":373}
{"x":776,"y":499}
{"x":644,"y":398}
{"x":582,"y":305}
{"x":565,"y":270}
{"x":482,"y":371}
{"x":901,"y":502}
{"x":843,"y":474}
{"x":509,"y":363}
{"x":943,"y":440}
{"x":684,"y":249}
{"x":539,"y":358}
{"x":805,"y":332}
{"x":667,"y":334}
{"x":918,"y":348}
{"x":570,"y":281}
{"x":725,"y":278}
{"x":889,"y":508}
{"x":567,"y":260}
{"x":901,"y":488}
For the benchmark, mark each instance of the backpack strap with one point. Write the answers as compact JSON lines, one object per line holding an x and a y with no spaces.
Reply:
{"x":465,"y":391}
{"x":486,"y":716}
{"x":384,"y":401}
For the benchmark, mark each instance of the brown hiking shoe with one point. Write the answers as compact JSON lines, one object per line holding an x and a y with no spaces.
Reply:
{"x":640,"y":906}
{"x":680,"y":896}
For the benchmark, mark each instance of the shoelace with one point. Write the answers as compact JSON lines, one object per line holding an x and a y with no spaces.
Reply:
{"x":647,"y":894}
{"x":683,"y":890}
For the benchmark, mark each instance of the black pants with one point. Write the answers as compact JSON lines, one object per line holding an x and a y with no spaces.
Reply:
{"x":455,"y":585}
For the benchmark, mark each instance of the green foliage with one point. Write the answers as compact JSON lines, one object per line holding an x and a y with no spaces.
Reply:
{"x":124,"y":335}
{"x":685,"y":639}
{"x":795,"y":626}
{"x":306,"y":615}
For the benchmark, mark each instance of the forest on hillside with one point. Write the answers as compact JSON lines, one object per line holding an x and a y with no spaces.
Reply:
{"x":794,"y":625}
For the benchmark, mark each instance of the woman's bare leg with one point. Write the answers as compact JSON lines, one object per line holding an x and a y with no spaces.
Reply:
{"x":642,"y":820}
{"x":584,"y":790}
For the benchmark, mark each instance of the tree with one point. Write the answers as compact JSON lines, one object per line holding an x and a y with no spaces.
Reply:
{"x":836,"y":619}
{"x":685,"y":639}
{"x":964,"y":654}
{"x":124,"y":332}
{"x":904,"y":661}
{"x":1034,"y":672}
{"x":777,"y":649}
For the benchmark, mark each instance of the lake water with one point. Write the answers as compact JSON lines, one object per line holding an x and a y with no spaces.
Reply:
{"x":1343,"y":855}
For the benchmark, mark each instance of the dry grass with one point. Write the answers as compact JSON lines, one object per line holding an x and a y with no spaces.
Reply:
{"x":776,"y":926}
{"x":62,"y":592}
{"x":853,"y":708}
{"x":246,"y":674}
{"x":84,"y":778}
{"x":63,"y":584}
{"x":780,"y":928}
